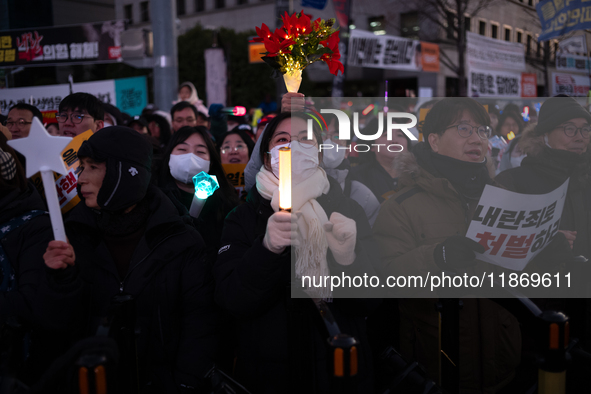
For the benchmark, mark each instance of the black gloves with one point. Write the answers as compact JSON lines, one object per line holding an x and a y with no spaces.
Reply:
{"x":456,"y":251}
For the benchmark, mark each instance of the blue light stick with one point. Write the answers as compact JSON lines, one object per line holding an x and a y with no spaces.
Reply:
{"x":205,"y":185}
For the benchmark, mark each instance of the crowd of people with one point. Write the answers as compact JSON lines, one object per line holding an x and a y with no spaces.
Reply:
{"x":181,"y":292}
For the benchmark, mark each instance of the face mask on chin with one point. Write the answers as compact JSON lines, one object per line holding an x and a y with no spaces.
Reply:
{"x":184,"y":167}
{"x":332,"y":157}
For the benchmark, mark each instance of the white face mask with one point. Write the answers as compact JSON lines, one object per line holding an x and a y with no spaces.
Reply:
{"x":184,"y":167}
{"x":275,"y":158}
{"x":304,"y":161}
{"x":516,"y":161}
{"x":332,"y":157}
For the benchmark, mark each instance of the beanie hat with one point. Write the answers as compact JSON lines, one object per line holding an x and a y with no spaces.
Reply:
{"x":128,"y":157}
{"x":557,"y":110}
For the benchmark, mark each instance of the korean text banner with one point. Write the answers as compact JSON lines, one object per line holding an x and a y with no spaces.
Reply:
{"x":387,"y":52}
{"x":78,"y":44}
{"x":570,"y":84}
{"x":492,"y":54}
{"x":575,"y":63}
{"x":514,"y":227}
{"x":559,"y":17}
{"x":492,"y":83}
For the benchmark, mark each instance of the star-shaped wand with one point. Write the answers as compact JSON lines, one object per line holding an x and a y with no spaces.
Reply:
{"x":44,"y":153}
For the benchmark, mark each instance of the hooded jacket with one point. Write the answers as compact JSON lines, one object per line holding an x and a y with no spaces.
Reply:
{"x":282,"y":340}
{"x":426,"y":211}
{"x":170,"y":283}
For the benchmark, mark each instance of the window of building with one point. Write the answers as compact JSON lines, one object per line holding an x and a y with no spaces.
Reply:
{"x":494,"y":30}
{"x":145,"y":11}
{"x":518,"y":36}
{"x":199,"y":5}
{"x":128,"y":11}
{"x":220,"y":4}
{"x":528,"y":45}
{"x":180,"y":7}
{"x":377,"y":24}
{"x":540,"y":49}
{"x":482,"y":28}
{"x":409,"y":25}
{"x":507,"y":35}
{"x":451,"y":21}
{"x":530,"y":3}
{"x":467,"y":23}
{"x":240,"y":2}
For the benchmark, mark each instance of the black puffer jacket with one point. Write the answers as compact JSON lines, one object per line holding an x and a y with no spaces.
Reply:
{"x":24,"y":247}
{"x":170,"y":282}
{"x":372,"y":174}
{"x":282,"y":340}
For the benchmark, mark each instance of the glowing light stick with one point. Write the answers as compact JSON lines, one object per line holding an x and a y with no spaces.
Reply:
{"x":205,"y":185}
{"x":510,"y":136}
{"x":285,"y":179}
{"x":44,"y":153}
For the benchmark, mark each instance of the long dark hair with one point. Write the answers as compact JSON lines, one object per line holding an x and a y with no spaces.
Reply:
{"x":272,"y":125}
{"x":245,"y":138}
{"x":228,"y":192}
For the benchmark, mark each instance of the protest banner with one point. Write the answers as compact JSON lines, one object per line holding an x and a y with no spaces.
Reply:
{"x":559,"y":17}
{"x":486,"y":53}
{"x":391,"y":52}
{"x":78,"y":44}
{"x":514,"y":227}
{"x":66,"y":184}
{"x":529,"y":85}
{"x":570,"y":84}
{"x":235,"y":174}
{"x":574,"y":44}
{"x":493,"y":83}
{"x":565,"y":62}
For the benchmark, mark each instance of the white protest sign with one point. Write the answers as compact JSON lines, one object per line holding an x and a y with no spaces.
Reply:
{"x":216,"y":78}
{"x":575,"y":44}
{"x":514,"y":227}
{"x":45,"y":98}
{"x":492,"y":54}
{"x":571,"y":84}
{"x":389,"y":52}
{"x":492,"y":83}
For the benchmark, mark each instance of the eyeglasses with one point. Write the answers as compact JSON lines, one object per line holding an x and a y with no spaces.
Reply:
{"x":74,"y":117}
{"x":571,"y":130}
{"x":21,"y":123}
{"x":227,"y":149}
{"x":302,"y":138}
{"x":465,"y":130}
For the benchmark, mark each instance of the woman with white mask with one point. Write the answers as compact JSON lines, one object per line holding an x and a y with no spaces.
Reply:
{"x":336,"y":164}
{"x":264,"y":248}
{"x":189,"y":152}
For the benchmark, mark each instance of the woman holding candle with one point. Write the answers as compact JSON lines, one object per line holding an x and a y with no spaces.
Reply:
{"x":189,"y":152}
{"x":280,"y":345}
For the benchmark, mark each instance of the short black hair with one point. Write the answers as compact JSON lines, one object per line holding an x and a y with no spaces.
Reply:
{"x":84,"y":102}
{"x":181,"y":105}
{"x":28,"y":107}
{"x":448,"y":110}
{"x":202,"y":116}
{"x":243,"y":135}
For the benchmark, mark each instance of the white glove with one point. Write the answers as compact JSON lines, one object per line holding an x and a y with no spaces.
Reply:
{"x":281,"y":232}
{"x":341,"y":235}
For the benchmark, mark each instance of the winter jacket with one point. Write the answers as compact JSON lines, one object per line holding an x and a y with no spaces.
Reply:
{"x":356,"y":191}
{"x":376,"y":178}
{"x":282,"y":340}
{"x":424,"y":213}
{"x":170,"y":283}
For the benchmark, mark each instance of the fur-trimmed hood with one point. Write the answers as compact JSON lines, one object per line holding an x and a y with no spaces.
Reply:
{"x":533,"y":144}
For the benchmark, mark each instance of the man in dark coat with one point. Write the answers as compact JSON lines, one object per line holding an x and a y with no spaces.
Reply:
{"x":130,"y":241}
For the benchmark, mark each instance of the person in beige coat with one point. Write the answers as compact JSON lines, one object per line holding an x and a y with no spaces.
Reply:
{"x":422,"y":229}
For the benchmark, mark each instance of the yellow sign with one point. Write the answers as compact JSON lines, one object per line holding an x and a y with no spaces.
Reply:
{"x":66,"y":184}
{"x":235,"y":174}
{"x":255,"y":52}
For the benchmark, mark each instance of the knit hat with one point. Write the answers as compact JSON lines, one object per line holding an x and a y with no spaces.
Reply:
{"x":557,"y":110}
{"x":128,"y":156}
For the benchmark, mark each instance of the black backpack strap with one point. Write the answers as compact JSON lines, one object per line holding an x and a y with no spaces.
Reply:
{"x":399,"y":199}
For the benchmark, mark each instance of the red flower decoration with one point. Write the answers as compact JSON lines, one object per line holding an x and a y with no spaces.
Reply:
{"x":332,"y":59}
{"x":276,"y":43}
{"x":262,"y":33}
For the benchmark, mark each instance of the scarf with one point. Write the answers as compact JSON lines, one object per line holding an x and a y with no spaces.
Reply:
{"x":311,"y":254}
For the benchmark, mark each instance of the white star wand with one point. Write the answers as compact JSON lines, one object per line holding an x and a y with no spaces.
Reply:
{"x":44,"y":153}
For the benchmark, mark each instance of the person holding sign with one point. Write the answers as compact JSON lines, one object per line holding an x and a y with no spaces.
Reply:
{"x":127,"y":241}
{"x":558,"y":149}
{"x":281,"y":348}
{"x":189,"y":152}
{"x":421,"y":230}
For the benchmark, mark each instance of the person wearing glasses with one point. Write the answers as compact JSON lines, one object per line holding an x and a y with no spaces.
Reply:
{"x":281,"y":348}
{"x":558,"y":149}
{"x":79,"y":112}
{"x":422,"y":229}
{"x":20,"y":117}
{"x":236,"y":147}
